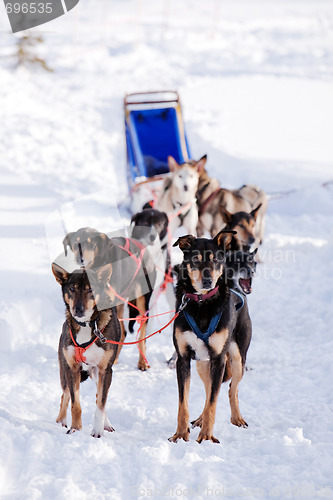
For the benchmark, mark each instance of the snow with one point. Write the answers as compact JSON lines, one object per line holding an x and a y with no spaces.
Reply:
{"x":255,"y":80}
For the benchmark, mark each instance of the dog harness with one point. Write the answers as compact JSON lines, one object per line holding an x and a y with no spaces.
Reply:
{"x":210,"y":198}
{"x":81,"y":348}
{"x":138,"y":260}
{"x":179,"y":214}
{"x":204,"y":336}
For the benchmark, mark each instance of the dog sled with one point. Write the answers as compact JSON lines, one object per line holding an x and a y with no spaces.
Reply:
{"x":154,"y":130}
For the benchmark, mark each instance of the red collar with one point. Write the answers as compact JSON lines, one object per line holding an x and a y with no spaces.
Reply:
{"x":199,"y":297}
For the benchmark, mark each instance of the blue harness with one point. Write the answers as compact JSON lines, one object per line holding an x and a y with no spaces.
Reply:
{"x":204,"y":336}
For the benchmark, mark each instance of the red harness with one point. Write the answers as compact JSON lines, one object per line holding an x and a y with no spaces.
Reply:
{"x":136,"y":259}
{"x":81,"y":348}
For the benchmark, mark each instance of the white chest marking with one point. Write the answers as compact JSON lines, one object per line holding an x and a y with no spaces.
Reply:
{"x":93,"y":354}
{"x":198,"y":346}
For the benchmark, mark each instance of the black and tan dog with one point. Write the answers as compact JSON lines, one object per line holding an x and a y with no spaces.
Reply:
{"x":240,"y":268}
{"x":245,"y":226}
{"x":82,"y":350}
{"x":213,"y":327}
{"x":133,"y":272}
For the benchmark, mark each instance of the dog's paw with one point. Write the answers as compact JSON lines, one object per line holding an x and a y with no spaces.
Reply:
{"x":142,"y":365}
{"x":206,"y":436}
{"x":180,"y":435}
{"x":197,"y":422}
{"x":72,"y":430}
{"x":63,"y":422}
{"x":172,"y":363}
{"x":96,"y":434}
{"x":107,"y":426}
{"x":239,"y":422}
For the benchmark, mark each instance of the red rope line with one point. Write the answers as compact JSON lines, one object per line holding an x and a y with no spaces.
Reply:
{"x":147,"y":337}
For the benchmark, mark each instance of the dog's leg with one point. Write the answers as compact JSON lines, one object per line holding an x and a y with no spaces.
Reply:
{"x":183,"y":366}
{"x":203,"y":371}
{"x":190,"y":222}
{"x":142,"y":364}
{"x":101,"y":421}
{"x":120,"y":315}
{"x":212,"y":376}
{"x":62,"y":417}
{"x":107,"y":425}
{"x":236,"y":374}
{"x":70,"y":376}
{"x":73,"y":381}
{"x":200,"y":229}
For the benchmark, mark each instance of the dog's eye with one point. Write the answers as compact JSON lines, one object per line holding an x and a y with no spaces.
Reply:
{"x":72,"y":288}
{"x":215,"y":260}
{"x":195,"y":259}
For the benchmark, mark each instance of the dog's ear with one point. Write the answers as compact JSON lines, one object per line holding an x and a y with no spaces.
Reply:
{"x":184,"y":242}
{"x":104,"y":274}
{"x":223,"y":239}
{"x":60,"y":274}
{"x":134,"y":219}
{"x":173,"y":165}
{"x":166,"y":220}
{"x":67,"y":242}
{"x":200,"y":165}
{"x":255,"y":212}
{"x":102,"y":241}
{"x":226,"y":216}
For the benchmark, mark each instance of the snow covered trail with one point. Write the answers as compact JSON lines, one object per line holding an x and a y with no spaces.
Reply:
{"x":286,"y":398}
{"x":256,"y":83}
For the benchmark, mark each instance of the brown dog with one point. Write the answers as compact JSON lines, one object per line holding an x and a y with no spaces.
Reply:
{"x":82,"y":349}
{"x":211,"y":199}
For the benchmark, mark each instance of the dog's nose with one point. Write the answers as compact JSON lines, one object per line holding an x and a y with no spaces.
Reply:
{"x":206,"y":282}
{"x":185,"y":187}
{"x":79,"y":310}
{"x":152,"y":238}
{"x":251,"y":240}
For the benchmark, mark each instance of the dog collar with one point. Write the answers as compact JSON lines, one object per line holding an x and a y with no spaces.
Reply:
{"x":199,"y":297}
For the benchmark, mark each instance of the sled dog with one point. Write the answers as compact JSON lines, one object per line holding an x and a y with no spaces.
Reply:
{"x":213,"y":328}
